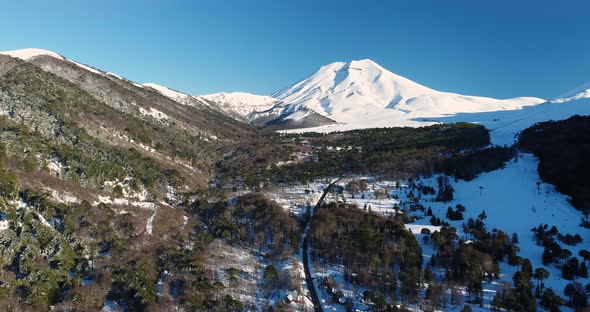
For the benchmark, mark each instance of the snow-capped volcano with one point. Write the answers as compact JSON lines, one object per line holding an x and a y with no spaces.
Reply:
{"x":361,"y":94}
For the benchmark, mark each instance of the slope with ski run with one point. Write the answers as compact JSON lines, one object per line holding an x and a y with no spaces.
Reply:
{"x":505,"y":126}
{"x":514,"y":203}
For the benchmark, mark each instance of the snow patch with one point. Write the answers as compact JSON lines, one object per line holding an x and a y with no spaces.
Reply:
{"x":150,"y":222}
{"x":63,"y":197}
{"x":55,"y":166}
{"x":88,"y":68}
{"x":173,"y":94}
{"x":116,"y":76}
{"x":154,"y":113}
{"x":4,"y":225}
{"x":417,"y":228}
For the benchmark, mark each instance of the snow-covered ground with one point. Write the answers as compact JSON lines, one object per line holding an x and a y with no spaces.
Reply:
{"x":297,"y":199}
{"x":241,"y":270}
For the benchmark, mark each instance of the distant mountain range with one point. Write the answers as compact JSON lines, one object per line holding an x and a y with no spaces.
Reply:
{"x":362,"y":94}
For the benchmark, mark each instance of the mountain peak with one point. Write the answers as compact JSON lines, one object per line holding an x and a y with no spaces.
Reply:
{"x":354,"y":65}
{"x":29,"y":53}
{"x":364,"y":63}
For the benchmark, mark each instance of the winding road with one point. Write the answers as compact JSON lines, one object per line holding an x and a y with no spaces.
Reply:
{"x":315,"y":299}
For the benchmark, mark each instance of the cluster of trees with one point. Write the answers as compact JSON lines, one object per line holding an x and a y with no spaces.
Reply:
{"x":520,"y":297}
{"x":76,"y":256}
{"x":470,"y":262}
{"x":395,"y":152}
{"x":355,"y":186}
{"x":252,"y":220}
{"x":468,"y":166}
{"x":455,"y":214}
{"x":370,"y":247}
{"x":554,"y":253}
{"x":577,"y":295}
{"x":445,"y":190}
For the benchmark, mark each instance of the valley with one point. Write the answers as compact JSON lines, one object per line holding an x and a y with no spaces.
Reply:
{"x":355,"y":185}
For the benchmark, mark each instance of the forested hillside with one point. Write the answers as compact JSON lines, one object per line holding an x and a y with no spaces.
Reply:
{"x":91,"y":197}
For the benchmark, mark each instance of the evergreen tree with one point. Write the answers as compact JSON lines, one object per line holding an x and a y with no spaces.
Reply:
{"x":583,"y":271}
{"x":541,"y":275}
{"x":551,"y":301}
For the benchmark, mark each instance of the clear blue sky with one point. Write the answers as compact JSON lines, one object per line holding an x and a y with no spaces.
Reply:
{"x":498,"y":48}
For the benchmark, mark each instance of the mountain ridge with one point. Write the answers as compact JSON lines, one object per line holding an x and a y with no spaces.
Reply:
{"x":349,"y":95}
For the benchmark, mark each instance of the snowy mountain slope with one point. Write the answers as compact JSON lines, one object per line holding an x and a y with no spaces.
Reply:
{"x":28,"y":54}
{"x":580,"y":92}
{"x":32,"y":54}
{"x":127,"y":96}
{"x":172,"y":94}
{"x":362,"y":94}
{"x":148,"y":100}
{"x":505,"y":125}
{"x":241,"y":104}
{"x":505,"y":134}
